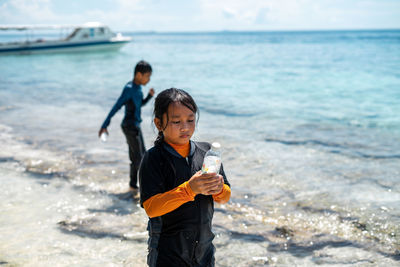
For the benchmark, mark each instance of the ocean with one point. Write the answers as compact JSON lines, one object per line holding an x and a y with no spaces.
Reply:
{"x":309,"y":124}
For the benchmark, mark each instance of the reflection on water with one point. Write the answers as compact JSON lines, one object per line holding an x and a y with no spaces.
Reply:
{"x":56,"y":223}
{"x":55,"y":213}
{"x":309,"y":125}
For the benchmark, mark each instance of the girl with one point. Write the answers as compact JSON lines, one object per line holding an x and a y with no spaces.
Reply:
{"x":176,"y":196}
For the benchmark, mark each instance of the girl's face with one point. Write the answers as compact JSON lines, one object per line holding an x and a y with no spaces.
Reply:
{"x":179,"y":126}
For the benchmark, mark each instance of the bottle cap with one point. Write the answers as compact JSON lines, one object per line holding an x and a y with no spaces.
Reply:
{"x":215,"y":146}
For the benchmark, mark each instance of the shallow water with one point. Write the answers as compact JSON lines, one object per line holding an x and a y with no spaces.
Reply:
{"x":309,"y":124}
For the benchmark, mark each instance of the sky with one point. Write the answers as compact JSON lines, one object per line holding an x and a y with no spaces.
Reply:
{"x":207,"y":15}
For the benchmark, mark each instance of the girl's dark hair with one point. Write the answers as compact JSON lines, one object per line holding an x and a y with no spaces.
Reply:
{"x":162,"y":102}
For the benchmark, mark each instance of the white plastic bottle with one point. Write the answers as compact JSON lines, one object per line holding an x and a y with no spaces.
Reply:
{"x":212,"y":159}
{"x":103,"y":137}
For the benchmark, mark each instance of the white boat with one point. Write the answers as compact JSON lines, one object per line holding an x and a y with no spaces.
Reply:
{"x":87,"y":37}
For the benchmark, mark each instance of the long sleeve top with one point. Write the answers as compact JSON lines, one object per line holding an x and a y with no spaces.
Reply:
{"x":164,"y":203}
{"x":164,"y":175}
{"x":132,"y":98}
{"x":180,"y":223}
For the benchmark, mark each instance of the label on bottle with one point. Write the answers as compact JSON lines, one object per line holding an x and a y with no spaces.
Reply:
{"x":211,"y":164}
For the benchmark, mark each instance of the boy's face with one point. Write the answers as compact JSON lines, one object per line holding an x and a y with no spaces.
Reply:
{"x":179,"y":127}
{"x":142,"y":78}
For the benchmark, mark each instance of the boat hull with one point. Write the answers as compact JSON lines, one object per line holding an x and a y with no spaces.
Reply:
{"x":59,"y":47}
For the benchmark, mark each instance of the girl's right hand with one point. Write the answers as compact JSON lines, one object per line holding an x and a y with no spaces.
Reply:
{"x":204,"y":183}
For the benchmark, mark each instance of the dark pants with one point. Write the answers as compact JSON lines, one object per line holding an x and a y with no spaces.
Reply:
{"x":179,"y":249}
{"x":134,"y":138}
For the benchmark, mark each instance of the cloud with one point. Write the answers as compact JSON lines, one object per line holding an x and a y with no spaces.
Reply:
{"x":23,"y":11}
{"x":56,"y":12}
{"x":206,"y":15}
{"x":252,"y":13}
{"x":262,"y":16}
{"x":129,"y":5}
{"x":229,"y":13}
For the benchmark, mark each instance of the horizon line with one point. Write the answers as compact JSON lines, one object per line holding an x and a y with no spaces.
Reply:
{"x":258,"y":31}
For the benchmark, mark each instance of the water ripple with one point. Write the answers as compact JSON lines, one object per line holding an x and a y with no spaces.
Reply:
{"x":336,"y":148}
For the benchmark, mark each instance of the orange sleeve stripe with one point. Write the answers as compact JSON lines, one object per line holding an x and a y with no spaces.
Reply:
{"x":164,"y":203}
{"x":224,"y":195}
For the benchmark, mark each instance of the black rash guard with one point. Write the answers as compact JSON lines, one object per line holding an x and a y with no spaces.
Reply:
{"x":182,"y":237}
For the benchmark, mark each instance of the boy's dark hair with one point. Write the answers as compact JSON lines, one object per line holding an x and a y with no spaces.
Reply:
{"x":167,"y":97}
{"x":142,"y":67}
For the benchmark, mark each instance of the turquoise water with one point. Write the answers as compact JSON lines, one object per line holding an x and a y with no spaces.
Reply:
{"x":309,"y":122}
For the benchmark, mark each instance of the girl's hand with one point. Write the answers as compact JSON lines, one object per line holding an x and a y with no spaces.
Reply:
{"x":206,"y":183}
{"x":218,"y":188}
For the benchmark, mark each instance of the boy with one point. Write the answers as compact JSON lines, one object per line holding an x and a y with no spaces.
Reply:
{"x":132,"y":98}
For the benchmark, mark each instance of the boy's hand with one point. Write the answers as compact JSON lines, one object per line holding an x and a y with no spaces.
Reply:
{"x":206,"y":183}
{"x":103,"y":130}
{"x":151,"y":91}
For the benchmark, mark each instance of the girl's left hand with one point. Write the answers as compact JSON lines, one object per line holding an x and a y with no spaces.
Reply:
{"x":206,"y":183}
{"x":218,"y":187}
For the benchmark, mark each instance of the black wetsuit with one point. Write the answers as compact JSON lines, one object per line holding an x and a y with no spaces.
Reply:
{"x":132,"y":98}
{"x":182,"y":237}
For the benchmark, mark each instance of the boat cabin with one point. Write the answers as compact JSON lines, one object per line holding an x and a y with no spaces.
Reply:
{"x":91,"y":31}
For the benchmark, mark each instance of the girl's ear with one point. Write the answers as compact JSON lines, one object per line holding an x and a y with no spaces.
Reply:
{"x":157,"y":123}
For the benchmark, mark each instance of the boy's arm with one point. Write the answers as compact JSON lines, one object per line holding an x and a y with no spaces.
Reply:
{"x":120,"y":102}
{"x":164,"y":203}
{"x":148,"y":97}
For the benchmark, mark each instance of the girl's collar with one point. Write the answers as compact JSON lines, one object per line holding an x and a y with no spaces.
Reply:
{"x":171,"y":150}
{"x":177,"y":145}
